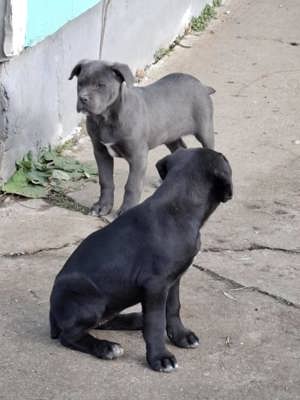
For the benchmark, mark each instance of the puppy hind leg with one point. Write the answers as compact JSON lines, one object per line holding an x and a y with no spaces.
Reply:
{"x":77,"y":337}
{"x":177,"y":144}
{"x":126,"y":322}
{"x":205,"y":133}
{"x":86,"y":343}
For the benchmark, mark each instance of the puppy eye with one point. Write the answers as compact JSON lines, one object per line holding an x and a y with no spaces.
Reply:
{"x":100,"y":85}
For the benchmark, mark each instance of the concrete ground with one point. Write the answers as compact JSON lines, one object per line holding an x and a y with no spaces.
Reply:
{"x":242,"y":295}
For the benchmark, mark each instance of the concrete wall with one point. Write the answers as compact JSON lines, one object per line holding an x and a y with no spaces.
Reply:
{"x":38,"y":102}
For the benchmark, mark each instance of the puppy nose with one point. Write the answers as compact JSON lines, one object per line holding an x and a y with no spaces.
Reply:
{"x":84,"y":99}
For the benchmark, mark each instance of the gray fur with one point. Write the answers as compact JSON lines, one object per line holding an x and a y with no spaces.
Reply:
{"x":127,"y":121}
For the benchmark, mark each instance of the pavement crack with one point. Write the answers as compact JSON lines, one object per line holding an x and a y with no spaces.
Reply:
{"x":38,"y":251}
{"x":251,"y":247}
{"x":236,"y":285}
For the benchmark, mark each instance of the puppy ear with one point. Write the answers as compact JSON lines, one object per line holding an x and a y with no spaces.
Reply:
{"x":124,"y":72}
{"x":163,"y":167}
{"x":223,"y":183}
{"x":77,"y":69}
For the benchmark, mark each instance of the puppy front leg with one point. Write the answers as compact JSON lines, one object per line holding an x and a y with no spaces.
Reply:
{"x":154,"y":325}
{"x":177,"y":333}
{"x":135,"y":182}
{"x":106,"y":181}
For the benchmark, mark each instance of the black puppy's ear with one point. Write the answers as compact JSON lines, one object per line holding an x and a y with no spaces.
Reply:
{"x":77,"y":69}
{"x":163,"y":167}
{"x":124,"y":72}
{"x":223,"y":181}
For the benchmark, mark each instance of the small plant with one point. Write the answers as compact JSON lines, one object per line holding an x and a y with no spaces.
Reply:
{"x":68,"y":144}
{"x":160,"y":53}
{"x":198,"y":24}
{"x":49,"y":172}
{"x":60,"y":199}
{"x":217,"y":3}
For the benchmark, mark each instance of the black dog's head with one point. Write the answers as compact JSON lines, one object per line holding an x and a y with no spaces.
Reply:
{"x":199,"y":171}
{"x":99,"y":84}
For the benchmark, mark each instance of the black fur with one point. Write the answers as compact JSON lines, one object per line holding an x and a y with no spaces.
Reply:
{"x":140,"y":258}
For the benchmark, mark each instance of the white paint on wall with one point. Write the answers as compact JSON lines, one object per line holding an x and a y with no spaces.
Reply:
{"x":186,"y":18}
{"x":19,"y":17}
{"x":15,"y":27}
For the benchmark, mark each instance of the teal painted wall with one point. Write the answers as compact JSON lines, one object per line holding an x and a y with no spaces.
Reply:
{"x":44,"y":17}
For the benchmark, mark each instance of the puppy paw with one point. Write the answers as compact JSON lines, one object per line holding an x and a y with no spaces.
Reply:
{"x":186,"y":339}
{"x":165,"y":362}
{"x":99,"y":209}
{"x":109,"y":350}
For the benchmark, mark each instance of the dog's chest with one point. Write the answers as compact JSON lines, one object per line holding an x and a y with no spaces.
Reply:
{"x":111,"y":149}
{"x":109,"y":136}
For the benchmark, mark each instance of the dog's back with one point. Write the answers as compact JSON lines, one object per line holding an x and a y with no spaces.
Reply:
{"x":178,"y":105}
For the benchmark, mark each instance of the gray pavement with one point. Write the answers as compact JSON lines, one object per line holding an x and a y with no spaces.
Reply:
{"x":242,"y":295}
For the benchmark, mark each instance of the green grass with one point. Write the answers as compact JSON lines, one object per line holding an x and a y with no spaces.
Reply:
{"x":198,"y":24}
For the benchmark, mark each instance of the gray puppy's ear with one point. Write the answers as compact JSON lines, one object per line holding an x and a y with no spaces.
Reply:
{"x":77,"y":69}
{"x":124,"y":72}
{"x":162,"y":166}
{"x":223,"y":181}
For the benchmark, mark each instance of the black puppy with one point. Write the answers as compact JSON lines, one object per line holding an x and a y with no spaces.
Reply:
{"x":140,"y":258}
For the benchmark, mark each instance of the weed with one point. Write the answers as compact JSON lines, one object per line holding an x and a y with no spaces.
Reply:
{"x":217,"y":3}
{"x":60,"y":199}
{"x":68,"y":144}
{"x":49,"y":172}
{"x":199,"y":23}
{"x":160,"y":53}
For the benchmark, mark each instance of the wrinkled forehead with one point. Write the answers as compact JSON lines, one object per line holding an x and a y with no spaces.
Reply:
{"x":94,"y":71}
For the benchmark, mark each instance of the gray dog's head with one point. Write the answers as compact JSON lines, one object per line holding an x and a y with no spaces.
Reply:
{"x":99,"y":84}
{"x":199,"y":171}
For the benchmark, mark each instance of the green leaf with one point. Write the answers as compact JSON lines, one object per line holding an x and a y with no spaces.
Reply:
{"x":47,"y":155}
{"x":66,"y":164}
{"x":37,"y":177}
{"x":60,"y":175}
{"x":19,"y":184}
{"x":49,"y":172}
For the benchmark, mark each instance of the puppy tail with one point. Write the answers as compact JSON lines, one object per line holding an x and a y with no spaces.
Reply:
{"x":210,"y":90}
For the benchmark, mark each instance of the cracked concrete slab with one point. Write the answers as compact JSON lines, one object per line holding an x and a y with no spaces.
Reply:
{"x":274,"y":272}
{"x":249,"y":347}
{"x":257,"y":115}
{"x":33,"y":225}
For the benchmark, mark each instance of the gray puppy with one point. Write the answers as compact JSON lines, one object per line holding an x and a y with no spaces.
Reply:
{"x":127,"y":121}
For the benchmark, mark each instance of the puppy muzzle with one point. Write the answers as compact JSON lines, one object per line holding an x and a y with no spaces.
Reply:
{"x":81,"y":108}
